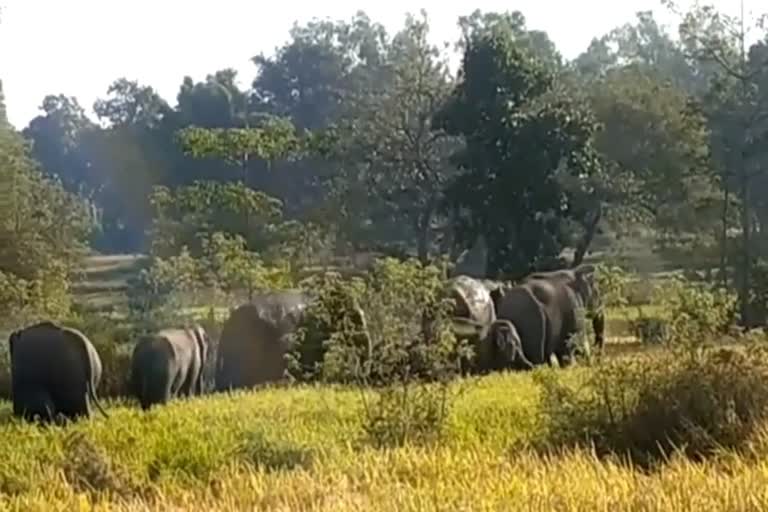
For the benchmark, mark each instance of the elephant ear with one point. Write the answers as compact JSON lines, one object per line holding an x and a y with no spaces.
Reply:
{"x":15,"y":335}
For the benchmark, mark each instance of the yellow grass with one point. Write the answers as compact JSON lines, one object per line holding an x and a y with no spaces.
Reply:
{"x":299,"y":449}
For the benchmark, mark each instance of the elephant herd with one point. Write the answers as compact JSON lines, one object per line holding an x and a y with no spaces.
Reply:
{"x":523,"y":325}
{"x":56,"y":370}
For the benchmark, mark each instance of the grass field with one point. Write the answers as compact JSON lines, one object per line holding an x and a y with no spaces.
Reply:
{"x":302,"y":448}
{"x":298,"y":449}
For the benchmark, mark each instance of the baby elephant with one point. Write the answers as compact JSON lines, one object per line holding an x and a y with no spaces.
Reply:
{"x":168,"y":364}
{"x":507,"y":345}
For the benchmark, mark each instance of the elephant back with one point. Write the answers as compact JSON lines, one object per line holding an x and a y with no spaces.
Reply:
{"x":254,"y":341}
{"x":45,"y":352}
{"x":580,"y":279}
{"x":472,"y":299}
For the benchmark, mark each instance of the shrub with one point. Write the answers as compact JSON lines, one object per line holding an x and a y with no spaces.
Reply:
{"x":613,"y":282}
{"x":649,"y":329}
{"x":647,"y":407}
{"x":696,"y":312}
{"x":391,"y":330}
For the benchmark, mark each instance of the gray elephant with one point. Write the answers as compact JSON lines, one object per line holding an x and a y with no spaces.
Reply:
{"x":581,"y":281}
{"x":472,"y":316}
{"x":254,"y":340}
{"x":558,"y":298}
{"x":55,"y":372}
{"x":530,"y":318}
{"x":507,"y":346}
{"x":168,"y":364}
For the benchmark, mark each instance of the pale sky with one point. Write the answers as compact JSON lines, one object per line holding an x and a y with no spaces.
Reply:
{"x":78,"y":47}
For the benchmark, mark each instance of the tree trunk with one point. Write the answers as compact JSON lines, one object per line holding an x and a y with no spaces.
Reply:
{"x":746,"y":260}
{"x":724,"y":237}
{"x":423,"y":226}
{"x":589,"y":235}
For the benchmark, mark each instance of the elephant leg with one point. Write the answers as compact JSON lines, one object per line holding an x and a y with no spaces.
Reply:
{"x":72,"y":405}
{"x":564,"y":352}
{"x":34,"y":405}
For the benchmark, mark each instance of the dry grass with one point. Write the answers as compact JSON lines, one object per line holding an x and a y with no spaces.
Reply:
{"x":298,"y":449}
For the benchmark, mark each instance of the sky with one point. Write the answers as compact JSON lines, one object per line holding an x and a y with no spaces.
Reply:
{"x":79,"y":47}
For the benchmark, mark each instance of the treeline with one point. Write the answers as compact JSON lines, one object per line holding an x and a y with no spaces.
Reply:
{"x":351,"y":139}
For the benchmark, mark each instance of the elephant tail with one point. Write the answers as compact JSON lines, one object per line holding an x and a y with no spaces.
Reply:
{"x":92,"y":395}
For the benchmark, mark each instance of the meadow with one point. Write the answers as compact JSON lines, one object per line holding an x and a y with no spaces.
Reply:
{"x":509,"y":441}
{"x":302,"y":449}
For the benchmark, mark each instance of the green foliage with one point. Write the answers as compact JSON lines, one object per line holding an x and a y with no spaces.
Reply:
{"x":647,"y":408}
{"x":508,"y":192}
{"x":696,"y":313}
{"x":42,"y":233}
{"x":613,"y":283}
{"x":390,"y":329}
{"x":165,"y":287}
{"x":229,"y":266}
{"x":656,"y":140}
{"x":275,"y":139}
{"x":168,"y":287}
{"x":205,"y":207}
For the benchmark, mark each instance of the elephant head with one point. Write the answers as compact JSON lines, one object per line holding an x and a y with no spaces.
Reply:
{"x":507,"y":344}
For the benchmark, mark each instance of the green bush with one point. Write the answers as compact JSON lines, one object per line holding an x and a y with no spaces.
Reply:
{"x":612,"y":282}
{"x":391,"y":330}
{"x":696,"y":312}
{"x":650,"y":329}
{"x":647,"y":407}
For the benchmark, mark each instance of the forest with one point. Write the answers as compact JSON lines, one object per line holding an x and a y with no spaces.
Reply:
{"x":358,"y":168}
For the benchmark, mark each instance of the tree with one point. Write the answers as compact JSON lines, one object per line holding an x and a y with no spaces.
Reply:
{"x":536,"y":43}
{"x":519,"y":132}
{"x":215,"y":103}
{"x":57,"y":138}
{"x":738,"y":110}
{"x":313,"y":80}
{"x":390,"y":144}
{"x":656,"y":143}
{"x":649,"y":48}
{"x":131,"y":104}
{"x":42,"y":233}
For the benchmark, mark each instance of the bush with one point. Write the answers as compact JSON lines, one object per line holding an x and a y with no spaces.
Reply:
{"x":390,"y":330}
{"x":646,"y":408}
{"x":612,"y":282}
{"x":393,"y":324}
{"x":696,"y":312}
{"x":649,"y":329}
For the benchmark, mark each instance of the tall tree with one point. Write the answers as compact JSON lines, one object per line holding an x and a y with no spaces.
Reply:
{"x":535,"y":42}
{"x":56,"y":137}
{"x":131,"y":104}
{"x":737,"y":110}
{"x":655,"y":142}
{"x":519,"y":132}
{"x":390,"y":145}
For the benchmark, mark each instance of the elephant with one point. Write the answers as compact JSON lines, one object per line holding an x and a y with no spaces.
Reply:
{"x":520,"y":306}
{"x":255,"y":339}
{"x":507,"y":346}
{"x":168,"y":364}
{"x":55,"y":372}
{"x":472,"y":317}
{"x":581,"y":280}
